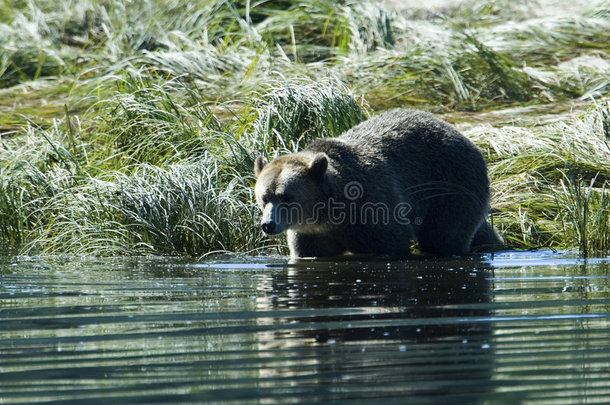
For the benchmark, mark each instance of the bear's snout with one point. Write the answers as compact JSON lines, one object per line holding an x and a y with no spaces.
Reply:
{"x":268,"y":227}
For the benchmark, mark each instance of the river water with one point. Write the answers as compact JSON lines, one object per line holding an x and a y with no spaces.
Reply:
{"x":517,"y":328}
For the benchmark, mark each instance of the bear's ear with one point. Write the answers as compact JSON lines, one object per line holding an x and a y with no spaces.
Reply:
{"x":259,"y":165}
{"x":318,"y":166}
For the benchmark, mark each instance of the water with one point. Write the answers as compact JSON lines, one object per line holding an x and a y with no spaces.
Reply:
{"x":518,"y":328}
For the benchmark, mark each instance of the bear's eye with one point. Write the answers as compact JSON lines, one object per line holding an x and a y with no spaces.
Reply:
{"x":265,"y":199}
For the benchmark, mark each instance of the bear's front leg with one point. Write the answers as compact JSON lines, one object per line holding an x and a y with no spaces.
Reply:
{"x":313,"y":245}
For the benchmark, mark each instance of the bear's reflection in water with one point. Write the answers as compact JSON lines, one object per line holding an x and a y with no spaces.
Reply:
{"x":417,"y":327}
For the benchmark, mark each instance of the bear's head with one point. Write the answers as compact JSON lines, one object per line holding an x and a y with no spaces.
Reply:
{"x":287,"y":190}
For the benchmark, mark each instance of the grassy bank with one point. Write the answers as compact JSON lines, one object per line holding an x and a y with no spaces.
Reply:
{"x":132,"y":128}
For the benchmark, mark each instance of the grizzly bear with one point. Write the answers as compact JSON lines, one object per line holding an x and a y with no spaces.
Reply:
{"x":400,"y":176}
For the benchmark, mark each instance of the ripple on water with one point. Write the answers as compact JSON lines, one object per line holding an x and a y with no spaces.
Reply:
{"x":518,"y":328}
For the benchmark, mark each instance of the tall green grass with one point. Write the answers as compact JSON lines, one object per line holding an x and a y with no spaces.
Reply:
{"x":184,"y":209}
{"x":292,"y":114}
{"x":551,"y":181}
{"x":164,"y":176}
{"x":584,"y":211}
{"x":155,"y":121}
{"x":133,"y":130}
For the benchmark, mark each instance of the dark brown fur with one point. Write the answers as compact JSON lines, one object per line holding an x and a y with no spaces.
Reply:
{"x":400,"y":162}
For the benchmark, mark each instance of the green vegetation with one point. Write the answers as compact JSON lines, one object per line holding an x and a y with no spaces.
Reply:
{"x":131,"y":128}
